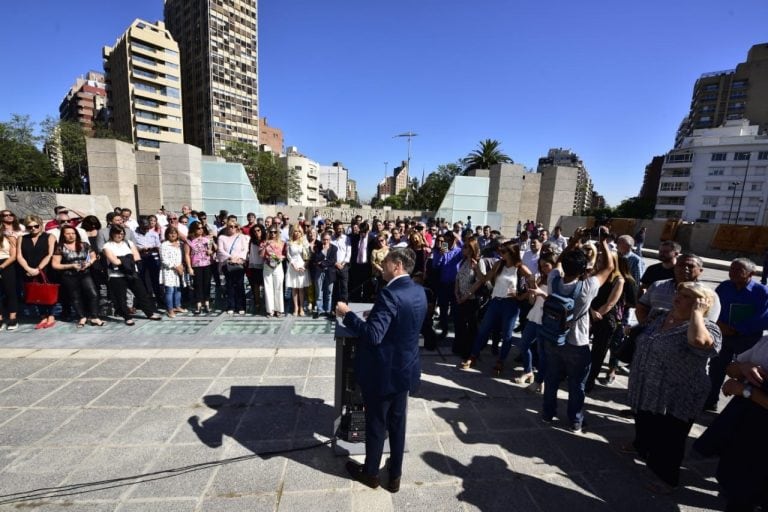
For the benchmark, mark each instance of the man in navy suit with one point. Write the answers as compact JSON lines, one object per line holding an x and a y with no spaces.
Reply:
{"x":387,"y":365}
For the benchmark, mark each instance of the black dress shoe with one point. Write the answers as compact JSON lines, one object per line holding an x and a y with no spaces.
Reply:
{"x":394,"y":485}
{"x":356,"y":471}
{"x":315,"y":315}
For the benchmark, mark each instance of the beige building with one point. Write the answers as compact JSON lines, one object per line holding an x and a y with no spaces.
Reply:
{"x":392,"y":185}
{"x":218,"y":40}
{"x":730,"y":95}
{"x":308,"y":172}
{"x":144,"y":85}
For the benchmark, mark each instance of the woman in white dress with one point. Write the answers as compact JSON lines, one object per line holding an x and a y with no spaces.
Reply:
{"x":171,"y":270}
{"x":298,"y":274}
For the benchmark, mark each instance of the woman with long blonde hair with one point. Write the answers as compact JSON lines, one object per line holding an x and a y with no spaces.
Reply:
{"x":298,"y":274}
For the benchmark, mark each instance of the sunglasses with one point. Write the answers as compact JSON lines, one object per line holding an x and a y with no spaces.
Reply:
{"x":33,"y":226}
{"x":8,"y":215}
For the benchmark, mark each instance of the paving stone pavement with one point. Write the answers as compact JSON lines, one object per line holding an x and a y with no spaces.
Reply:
{"x":97,"y":404}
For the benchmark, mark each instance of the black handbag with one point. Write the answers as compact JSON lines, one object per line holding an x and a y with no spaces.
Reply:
{"x":127,"y":265}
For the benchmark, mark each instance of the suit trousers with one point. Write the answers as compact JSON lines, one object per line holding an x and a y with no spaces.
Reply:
{"x":385,"y":415}
{"x":341,"y":286}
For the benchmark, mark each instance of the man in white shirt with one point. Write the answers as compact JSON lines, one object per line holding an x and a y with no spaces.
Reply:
{"x":343,"y":257}
{"x":558,"y":238}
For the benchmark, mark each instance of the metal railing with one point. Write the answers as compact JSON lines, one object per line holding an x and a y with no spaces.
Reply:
{"x":16,"y":187}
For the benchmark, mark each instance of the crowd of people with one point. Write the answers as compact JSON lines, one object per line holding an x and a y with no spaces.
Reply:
{"x":485,"y":287}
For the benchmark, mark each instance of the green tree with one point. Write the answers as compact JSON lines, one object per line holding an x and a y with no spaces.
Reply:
{"x":68,"y":138}
{"x":101,"y":130}
{"x":635,"y":208}
{"x":271,"y":179}
{"x":488,"y":153}
{"x":21,"y":162}
{"x":434,"y":188}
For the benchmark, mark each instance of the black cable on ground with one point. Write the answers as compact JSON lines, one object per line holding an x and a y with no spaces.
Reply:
{"x":85,"y":487}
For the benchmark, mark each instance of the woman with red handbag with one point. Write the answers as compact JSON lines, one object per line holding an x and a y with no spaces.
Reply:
{"x":34,"y":255}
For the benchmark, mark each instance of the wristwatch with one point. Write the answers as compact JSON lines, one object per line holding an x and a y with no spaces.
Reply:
{"x":746,"y":392}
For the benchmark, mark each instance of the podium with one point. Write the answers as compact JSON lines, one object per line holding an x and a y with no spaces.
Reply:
{"x":349,"y":412}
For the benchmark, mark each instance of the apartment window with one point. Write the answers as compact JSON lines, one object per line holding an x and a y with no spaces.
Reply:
{"x":144,"y":87}
{"x":759,"y":171}
{"x":716,"y":171}
{"x":677,"y":173}
{"x":741,"y":155}
{"x":673,"y":186}
{"x":754,"y":201}
{"x":738,"y":84}
{"x":146,"y":74}
{"x":172,"y":65}
{"x":173,"y":92}
{"x":719,"y":157}
{"x":147,"y":128}
{"x":143,"y":46}
{"x":711,"y":87}
{"x":673,"y":158}
{"x":148,"y":143}
{"x":756,"y":186}
{"x":171,"y":52}
{"x":146,"y":102}
{"x":733,"y":185}
{"x":763,"y":155}
{"x":709,"y":200}
{"x":145,"y":60}
{"x":707,"y":214}
{"x":705,"y":119}
{"x":146,"y":115}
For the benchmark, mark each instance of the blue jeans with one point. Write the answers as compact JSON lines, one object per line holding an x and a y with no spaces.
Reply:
{"x":575,"y":362}
{"x":500,"y":313}
{"x":324,"y":291}
{"x":528,"y":337}
{"x":172,"y":298}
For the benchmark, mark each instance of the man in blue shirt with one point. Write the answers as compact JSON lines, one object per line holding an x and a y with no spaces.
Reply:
{"x":743,"y":316}
{"x":446,"y":261}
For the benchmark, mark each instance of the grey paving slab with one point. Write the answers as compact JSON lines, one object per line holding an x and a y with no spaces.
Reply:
{"x":323,"y":367}
{"x":150,"y":426}
{"x":180,"y":393}
{"x":247,"y":367}
{"x":66,"y":368}
{"x":264,"y":503}
{"x":158,"y":368}
{"x":112,"y":462}
{"x":317,"y":469}
{"x":87,"y":426}
{"x":319,"y":387}
{"x":32,"y":425}
{"x":158,"y":505}
{"x":203,"y":367}
{"x":191,"y":485}
{"x":129,"y":393}
{"x":428,"y":498}
{"x":113,"y":369}
{"x":76,"y":393}
{"x":335,"y":501}
{"x":18,"y":368}
{"x":255,"y":476}
{"x":27,"y":392}
{"x":288,"y":367}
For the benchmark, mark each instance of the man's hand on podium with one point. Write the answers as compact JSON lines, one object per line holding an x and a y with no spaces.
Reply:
{"x":342,"y":309}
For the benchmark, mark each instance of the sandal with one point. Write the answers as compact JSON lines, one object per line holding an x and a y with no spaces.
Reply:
{"x":468,"y":363}
{"x":97,"y":322}
{"x":155,"y":316}
{"x":81,"y":323}
{"x":130,"y":321}
{"x":41,"y":324}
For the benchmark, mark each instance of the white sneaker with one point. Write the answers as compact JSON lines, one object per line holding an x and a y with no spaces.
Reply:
{"x":241,"y":313}
{"x":230,"y":313}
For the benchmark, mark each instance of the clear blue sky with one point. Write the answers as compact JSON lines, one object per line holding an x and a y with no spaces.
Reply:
{"x":610,"y":80}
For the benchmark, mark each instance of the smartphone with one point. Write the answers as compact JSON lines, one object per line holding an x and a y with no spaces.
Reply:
{"x":444,"y":246}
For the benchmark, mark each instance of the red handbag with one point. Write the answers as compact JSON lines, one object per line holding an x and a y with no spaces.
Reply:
{"x":43,"y":294}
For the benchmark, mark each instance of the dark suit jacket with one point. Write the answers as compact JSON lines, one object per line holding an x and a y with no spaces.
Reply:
{"x":324,"y":264}
{"x":387,"y":358}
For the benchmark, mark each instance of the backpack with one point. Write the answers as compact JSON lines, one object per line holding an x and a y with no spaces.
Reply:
{"x":557,"y":316}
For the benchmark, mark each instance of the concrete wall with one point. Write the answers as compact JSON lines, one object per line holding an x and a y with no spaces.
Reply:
{"x":112,"y":170}
{"x":150,"y":182}
{"x":182,"y":181}
{"x":42,"y":203}
{"x":558,"y":188}
{"x":693,"y":237}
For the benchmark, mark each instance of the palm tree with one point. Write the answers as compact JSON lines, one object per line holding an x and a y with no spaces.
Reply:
{"x":489,"y":153}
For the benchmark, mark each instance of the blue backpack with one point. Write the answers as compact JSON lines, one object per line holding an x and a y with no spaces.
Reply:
{"x":557,"y":318}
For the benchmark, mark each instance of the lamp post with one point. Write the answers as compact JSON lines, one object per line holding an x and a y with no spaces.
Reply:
{"x":409,"y":135}
{"x":734,"y":184}
{"x":743,"y":185}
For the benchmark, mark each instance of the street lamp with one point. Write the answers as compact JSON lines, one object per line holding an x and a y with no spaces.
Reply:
{"x":734,"y":184}
{"x":409,"y":135}
{"x":743,"y":185}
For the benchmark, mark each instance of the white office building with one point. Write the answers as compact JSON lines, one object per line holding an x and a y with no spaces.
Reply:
{"x":717,"y":175}
{"x":307,"y":171}
{"x":334,"y":177}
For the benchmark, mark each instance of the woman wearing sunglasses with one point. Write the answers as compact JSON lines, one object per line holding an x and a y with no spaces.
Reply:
{"x":34,"y":255}
{"x":10,"y":303}
{"x":273,"y":254}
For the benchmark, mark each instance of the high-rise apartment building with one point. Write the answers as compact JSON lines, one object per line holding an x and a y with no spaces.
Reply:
{"x":730,"y":95}
{"x":582,"y":187}
{"x":717,"y":175}
{"x":392,"y":185}
{"x":85,"y":101}
{"x":651,"y":178}
{"x":144,"y":85}
{"x":219,"y":55}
